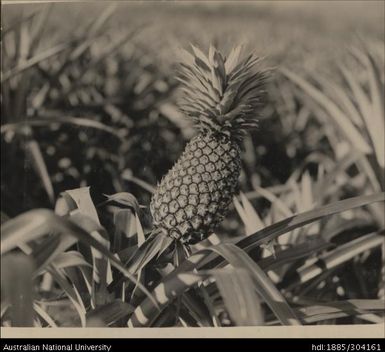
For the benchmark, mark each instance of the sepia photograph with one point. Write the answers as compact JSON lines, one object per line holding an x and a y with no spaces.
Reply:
{"x":193,"y":164}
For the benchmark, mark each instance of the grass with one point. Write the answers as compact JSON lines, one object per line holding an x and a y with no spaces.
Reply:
{"x":90,"y":124}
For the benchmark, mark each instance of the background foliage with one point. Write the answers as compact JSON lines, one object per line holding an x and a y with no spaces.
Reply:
{"x":88,"y":99}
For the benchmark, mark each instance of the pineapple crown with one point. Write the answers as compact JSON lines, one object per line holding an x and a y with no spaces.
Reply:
{"x":221,"y":94}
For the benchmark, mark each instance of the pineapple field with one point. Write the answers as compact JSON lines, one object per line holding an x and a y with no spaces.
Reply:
{"x":192,"y":164}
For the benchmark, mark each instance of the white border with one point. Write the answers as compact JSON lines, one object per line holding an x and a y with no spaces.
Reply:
{"x":320,"y":331}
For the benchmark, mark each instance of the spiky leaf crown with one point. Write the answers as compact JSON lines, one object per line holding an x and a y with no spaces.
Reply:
{"x":220,"y":93}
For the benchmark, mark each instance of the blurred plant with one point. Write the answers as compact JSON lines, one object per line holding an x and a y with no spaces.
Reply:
{"x":66,"y":111}
{"x":356,"y":108}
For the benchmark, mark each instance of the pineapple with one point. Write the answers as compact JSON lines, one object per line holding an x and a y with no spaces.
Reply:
{"x":221,"y":96}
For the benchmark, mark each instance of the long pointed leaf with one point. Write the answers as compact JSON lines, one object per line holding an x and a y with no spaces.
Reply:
{"x":242,"y":303}
{"x":36,"y":223}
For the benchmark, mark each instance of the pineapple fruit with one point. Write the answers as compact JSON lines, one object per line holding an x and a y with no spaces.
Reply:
{"x":221,"y":95}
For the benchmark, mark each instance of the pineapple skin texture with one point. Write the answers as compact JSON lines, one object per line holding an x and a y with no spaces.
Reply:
{"x":193,"y":197}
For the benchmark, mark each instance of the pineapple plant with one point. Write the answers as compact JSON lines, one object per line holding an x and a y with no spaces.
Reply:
{"x":222,"y":96}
